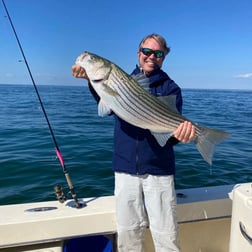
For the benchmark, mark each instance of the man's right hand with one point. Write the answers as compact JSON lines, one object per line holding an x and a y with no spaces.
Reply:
{"x":79,"y":72}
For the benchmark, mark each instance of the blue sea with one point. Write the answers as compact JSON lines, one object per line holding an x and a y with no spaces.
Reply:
{"x":29,"y":167}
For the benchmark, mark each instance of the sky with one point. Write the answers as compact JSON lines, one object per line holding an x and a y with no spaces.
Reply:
{"x":210,"y":40}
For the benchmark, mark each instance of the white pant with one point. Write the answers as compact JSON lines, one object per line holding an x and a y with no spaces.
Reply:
{"x":142,"y":201}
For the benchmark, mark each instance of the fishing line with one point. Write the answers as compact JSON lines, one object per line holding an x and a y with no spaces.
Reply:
{"x":57,"y":150}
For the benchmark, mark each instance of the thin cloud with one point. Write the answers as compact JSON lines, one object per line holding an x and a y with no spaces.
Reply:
{"x":244,"y":76}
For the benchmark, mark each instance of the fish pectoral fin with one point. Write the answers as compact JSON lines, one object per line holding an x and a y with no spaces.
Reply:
{"x":103,"y":109}
{"x":161,"y":138}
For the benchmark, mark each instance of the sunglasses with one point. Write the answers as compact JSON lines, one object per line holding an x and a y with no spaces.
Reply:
{"x":148,"y":52}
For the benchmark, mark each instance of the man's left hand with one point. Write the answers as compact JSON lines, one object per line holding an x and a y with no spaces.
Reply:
{"x":185,"y":132}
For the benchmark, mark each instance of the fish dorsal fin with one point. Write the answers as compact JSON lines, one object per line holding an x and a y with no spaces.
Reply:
{"x":103,"y":109}
{"x":141,"y":79}
{"x":144,"y":82}
{"x":169,"y":101}
{"x":162,"y":138}
{"x":138,"y":77}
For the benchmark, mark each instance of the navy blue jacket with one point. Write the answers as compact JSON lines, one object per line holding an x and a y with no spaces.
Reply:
{"x":136,"y":151}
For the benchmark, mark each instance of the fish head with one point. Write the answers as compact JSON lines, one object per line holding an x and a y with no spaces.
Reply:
{"x":96,"y":67}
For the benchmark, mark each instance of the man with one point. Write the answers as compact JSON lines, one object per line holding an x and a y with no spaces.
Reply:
{"x":144,"y":171}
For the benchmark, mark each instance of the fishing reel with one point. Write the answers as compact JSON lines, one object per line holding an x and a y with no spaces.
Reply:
{"x":62,"y":198}
{"x":60,"y":194}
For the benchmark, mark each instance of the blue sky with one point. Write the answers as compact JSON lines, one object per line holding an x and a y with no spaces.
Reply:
{"x":210,"y":40}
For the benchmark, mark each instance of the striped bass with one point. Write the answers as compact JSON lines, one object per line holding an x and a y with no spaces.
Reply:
{"x":122,"y":94}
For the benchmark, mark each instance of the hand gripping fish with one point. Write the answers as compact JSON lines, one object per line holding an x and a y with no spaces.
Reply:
{"x":122,"y":94}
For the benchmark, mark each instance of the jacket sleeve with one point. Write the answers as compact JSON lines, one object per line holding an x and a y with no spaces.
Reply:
{"x":92,"y":91}
{"x":173,"y":140}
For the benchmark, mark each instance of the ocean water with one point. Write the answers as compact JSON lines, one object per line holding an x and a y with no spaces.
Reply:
{"x":29,"y":167}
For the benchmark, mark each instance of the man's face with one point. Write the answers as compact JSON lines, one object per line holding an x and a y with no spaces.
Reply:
{"x":148,"y":63}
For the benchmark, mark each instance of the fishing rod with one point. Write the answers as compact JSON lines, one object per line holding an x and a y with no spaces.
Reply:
{"x":57,"y":188}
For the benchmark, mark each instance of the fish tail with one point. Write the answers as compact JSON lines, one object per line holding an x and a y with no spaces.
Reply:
{"x":206,"y":141}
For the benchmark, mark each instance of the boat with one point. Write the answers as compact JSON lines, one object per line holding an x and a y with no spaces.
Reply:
{"x":204,"y":218}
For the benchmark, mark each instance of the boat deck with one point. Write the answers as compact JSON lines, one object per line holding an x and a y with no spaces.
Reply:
{"x":204,"y":216}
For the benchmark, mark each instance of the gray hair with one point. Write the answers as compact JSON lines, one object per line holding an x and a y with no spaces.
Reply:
{"x":159,"y":39}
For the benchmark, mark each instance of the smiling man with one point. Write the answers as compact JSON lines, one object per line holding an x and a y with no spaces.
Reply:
{"x":144,"y":170}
